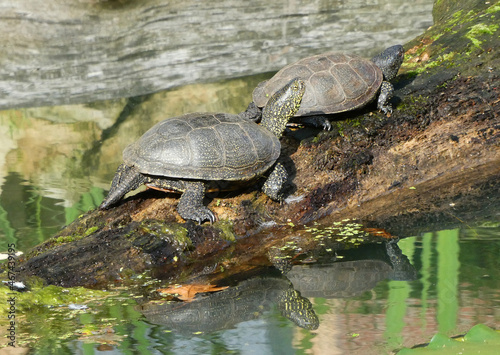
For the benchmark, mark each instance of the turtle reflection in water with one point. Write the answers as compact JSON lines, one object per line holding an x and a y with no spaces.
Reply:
{"x":225,"y":309}
{"x":183,"y":153}
{"x":358,"y":271}
{"x":335,"y":82}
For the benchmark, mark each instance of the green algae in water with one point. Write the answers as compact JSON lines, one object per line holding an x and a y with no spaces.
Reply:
{"x":47,"y":317}
{"x":493,"y":9}
{"x":48,"y":296}
{"x":344,"y":231}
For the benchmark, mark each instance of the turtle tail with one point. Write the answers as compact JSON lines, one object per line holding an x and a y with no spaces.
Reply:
{"x":126,"y":179}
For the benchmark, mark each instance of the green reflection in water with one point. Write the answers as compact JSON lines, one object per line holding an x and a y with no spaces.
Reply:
{"x":447,"y":263}
{"x":399,"y":292}
{"x":140,"y":336}
{"x":438,"y":254}
{"x":28,"y":218}
{"x":88,"y":201}
{"x":447,"y":282}
{"x":425,"y":271}
{"x":306,"y":342}
{"x":407,"y":246}
{"x":320,"y":306}
{"x":6,"y":228}
{"x":396,"y":310}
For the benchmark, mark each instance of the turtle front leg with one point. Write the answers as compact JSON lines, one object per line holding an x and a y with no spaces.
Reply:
{"x":275,"y":182}
{"x":190,"y":205}
{"x":386,"y":91}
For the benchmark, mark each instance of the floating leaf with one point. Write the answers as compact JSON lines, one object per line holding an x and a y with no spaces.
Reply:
{"x":188,"y":292}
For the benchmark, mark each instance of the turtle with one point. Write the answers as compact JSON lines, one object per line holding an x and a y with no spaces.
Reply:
{"x":247,"y":300}
{"x":336,"y":82}
{"x":187,"y":152}
{"x":346,"y":274}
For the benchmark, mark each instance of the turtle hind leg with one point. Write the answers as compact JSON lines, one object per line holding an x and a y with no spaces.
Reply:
{"x":252,"y":113}
{"x":317,"y":121}
{"x":126,"y":179}
{"x":190,"y":205}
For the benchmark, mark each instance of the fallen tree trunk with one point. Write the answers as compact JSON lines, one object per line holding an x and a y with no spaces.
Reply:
{"x":437,"y":153}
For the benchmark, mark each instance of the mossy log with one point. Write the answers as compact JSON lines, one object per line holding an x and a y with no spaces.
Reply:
{"x":438,"y":153}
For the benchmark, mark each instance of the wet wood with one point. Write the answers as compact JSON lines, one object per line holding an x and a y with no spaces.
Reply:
{"x":435,"y":155}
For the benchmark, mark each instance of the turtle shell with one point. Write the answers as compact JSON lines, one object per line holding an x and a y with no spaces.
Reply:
{"x":204,"y":146}
{"x":335,"y":82}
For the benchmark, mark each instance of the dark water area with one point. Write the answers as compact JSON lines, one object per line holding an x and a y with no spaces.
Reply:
{"x":56,"y":163}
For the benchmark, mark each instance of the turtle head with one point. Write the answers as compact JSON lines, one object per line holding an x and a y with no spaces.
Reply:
{"x":389,"y":61}
{"x":282,"y":106}
{"x":298,"y":309}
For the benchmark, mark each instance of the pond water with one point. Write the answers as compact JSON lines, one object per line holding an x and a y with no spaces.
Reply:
{"x":362,"y":307}
{"x":56,"y":162}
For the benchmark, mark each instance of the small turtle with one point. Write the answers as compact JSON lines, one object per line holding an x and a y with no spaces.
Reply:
{"x":184,"y":153}
{"x":335,"y":82}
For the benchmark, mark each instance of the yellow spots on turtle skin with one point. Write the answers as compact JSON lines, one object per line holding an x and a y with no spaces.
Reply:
{"x":298,"y":309}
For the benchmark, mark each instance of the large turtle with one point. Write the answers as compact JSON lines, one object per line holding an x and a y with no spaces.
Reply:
{"x":183,"y":153}
{"x":335,"y":82}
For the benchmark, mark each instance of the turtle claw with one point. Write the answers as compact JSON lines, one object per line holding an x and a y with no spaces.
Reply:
{"x":318,"y":122}
{"x":204,"y":214}
{"x":386,"y":109}
{"x":327,"y":126}
{"x":211,"y":216}
{"x":252,"y":113}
